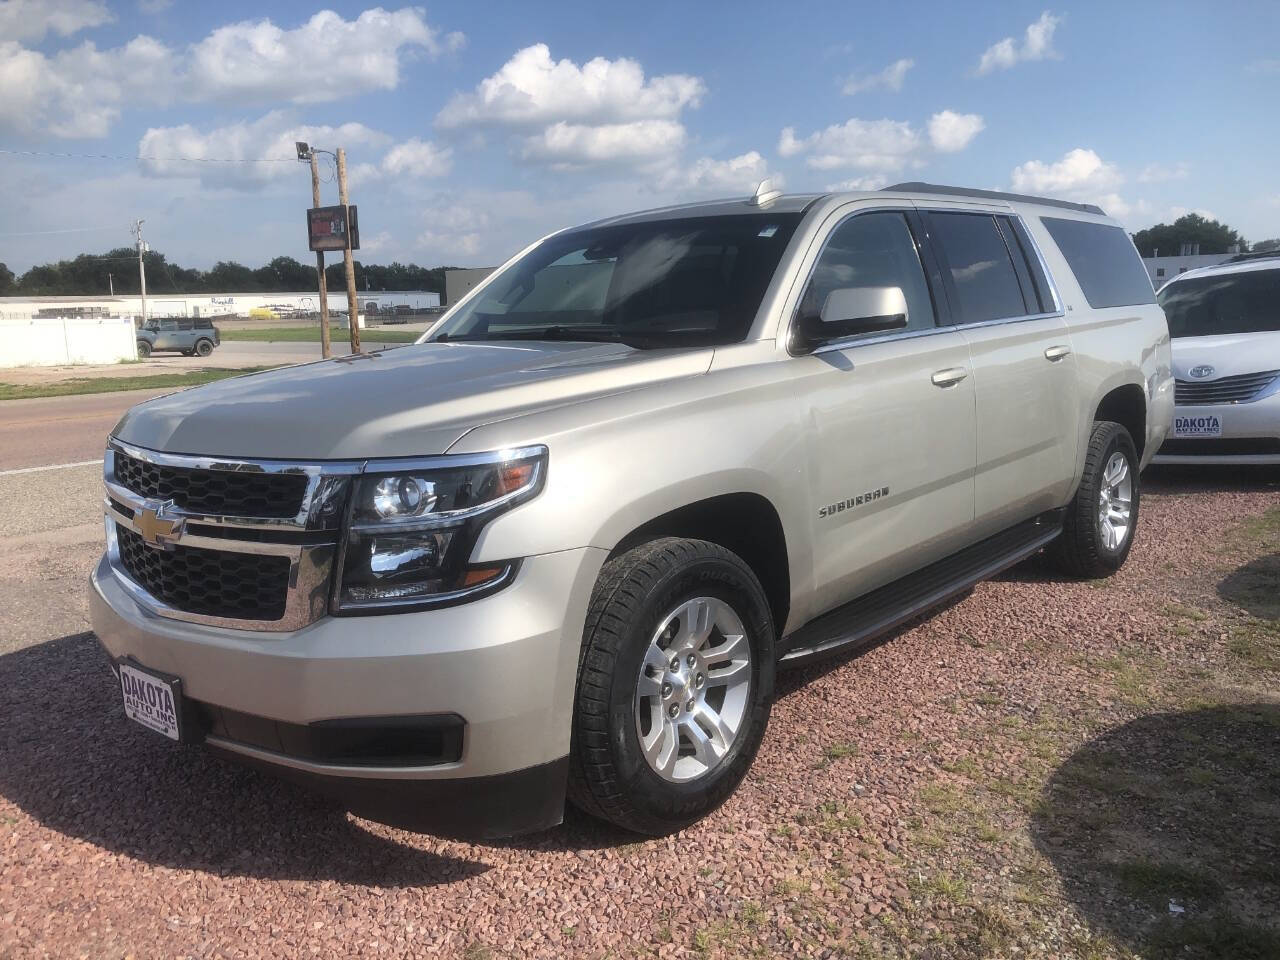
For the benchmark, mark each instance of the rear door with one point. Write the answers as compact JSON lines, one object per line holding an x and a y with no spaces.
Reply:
{"x":1023,"y":369}
{"x":890,"y":418}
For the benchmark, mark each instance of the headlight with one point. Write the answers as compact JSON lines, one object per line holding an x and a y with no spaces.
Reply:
{"x":413,"y":525}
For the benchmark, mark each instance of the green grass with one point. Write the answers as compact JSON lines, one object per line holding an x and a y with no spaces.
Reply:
{"x":312,"y":335}
{"x":155,"y":381}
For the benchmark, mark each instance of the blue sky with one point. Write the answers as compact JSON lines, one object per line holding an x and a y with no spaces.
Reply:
{"x":471,"y":129}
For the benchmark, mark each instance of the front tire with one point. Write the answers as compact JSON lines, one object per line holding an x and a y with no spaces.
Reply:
{"x":144,"y":349}
{"x":674,"y":685}
{"x":1101,"y":520}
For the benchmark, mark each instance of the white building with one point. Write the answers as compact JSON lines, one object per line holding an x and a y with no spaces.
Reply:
{"x":1164,"y":269}
{"x":52,"y":331}
{"x":160,"y":304}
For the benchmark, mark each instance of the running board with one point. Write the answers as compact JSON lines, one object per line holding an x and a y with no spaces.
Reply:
{"x":876,"y":613}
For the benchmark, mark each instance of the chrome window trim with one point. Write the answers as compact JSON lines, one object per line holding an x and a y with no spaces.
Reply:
{"x":845,"y":343}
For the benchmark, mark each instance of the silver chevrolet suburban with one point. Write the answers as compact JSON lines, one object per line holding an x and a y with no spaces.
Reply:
{"x":560,"y":547}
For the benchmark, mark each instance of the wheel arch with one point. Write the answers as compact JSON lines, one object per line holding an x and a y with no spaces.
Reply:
{"x":745,"y":523}
{"x":1125,"y":404}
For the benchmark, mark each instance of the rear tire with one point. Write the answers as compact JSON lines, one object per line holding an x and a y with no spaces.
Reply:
{"x":144,"y":349}
{"x":1103,"y":517}
{"x":204,"y":348}
{"x":660,"y":616}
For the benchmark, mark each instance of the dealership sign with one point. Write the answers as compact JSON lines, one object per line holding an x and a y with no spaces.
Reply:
{"x":328,"y":228}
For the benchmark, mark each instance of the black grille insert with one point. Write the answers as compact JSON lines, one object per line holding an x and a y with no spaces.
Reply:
{"x":225,"y":493}
{"x":218,"y":583}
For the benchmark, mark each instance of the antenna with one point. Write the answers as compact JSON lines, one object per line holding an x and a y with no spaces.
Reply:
{"x":765,"y":194}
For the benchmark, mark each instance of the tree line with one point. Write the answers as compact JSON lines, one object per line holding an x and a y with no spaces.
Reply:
{"x":87,"y":275}
{"x":1166,"y":239}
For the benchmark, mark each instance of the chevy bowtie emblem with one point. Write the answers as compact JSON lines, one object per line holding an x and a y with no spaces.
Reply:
{"x":157,"y":530}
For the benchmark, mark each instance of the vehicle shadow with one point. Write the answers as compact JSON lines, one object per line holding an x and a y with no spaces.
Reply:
{"x":70,"y":759}
{"x":1166,"y":832}
{"x":1255,"y":587}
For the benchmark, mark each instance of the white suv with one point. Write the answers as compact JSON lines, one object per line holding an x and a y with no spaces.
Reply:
{"x":1225,"y":324}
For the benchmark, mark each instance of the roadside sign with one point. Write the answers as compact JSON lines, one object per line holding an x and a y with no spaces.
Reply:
{"x":328,"y":228}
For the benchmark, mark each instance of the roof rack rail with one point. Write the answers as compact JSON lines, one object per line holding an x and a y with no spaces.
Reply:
{"x":918,"y":187}
{"x":1246,"y":257}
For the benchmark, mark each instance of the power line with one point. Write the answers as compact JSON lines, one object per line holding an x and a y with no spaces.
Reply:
{"x":111,"y":156}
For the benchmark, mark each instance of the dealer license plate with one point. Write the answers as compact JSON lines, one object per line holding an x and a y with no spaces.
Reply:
{"x":151,"y":699}
{"x":1209,"y":426}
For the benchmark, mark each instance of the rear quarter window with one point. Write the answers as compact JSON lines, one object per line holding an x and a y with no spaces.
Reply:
{"x":1104,"y":261}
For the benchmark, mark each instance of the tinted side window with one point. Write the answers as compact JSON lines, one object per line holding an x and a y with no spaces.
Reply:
{"x":871,"y":250}
{"x":978,"y":263}
{"x":1104,"y":261}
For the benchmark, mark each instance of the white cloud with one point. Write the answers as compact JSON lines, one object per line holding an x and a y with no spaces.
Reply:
{"x":418,"y":158}
{"x":1157,"y":173}
{"x":31,"y":20}
{"x":869,"y":144}
{"x":603,"y":112}
{"x":533,"y":90}
{"x":1037,"y":44}
{"x":454,"y":230}
{"x":154,"y":6}
{"x":1079,"y":169}
{"x":81,"y":92}
{"x":950,"y":132}
{"x":737,"y":175}
{"x":325,"y":59}
{"x":872,"y":182}
{"x":890,"y":78}
{"x":268,"y":141}
{"x":575,"y":144}
{"x":1081,"y":175}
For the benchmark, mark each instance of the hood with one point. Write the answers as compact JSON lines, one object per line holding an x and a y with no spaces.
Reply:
{"x":1229,"y":355}
{"x":409,"y":401}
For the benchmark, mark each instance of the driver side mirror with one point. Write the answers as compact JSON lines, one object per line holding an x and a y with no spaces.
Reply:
{"x":849,"y":312}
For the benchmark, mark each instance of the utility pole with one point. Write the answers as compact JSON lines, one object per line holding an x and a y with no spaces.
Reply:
{"x":353,"y":309}
{"x":324,"y":292}
{"x":142,"y":269}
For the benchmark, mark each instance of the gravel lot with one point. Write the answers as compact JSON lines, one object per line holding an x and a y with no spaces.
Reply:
{"x":923,"y":798}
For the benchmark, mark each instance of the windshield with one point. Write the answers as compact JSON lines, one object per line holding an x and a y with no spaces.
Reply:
{"x":1228,"y":303}
{"x":664,"y":283}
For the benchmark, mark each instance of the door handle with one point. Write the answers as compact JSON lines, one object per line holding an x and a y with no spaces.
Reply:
{"x":1055,"y":353}
{"x":949,"y":377}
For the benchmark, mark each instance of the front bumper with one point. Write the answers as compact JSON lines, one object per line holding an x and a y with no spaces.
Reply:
{"x":506,"y":664}
{"x":1250,"y":435}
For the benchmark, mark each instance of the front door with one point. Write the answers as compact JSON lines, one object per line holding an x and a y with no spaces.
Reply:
{"x":891,"y":421}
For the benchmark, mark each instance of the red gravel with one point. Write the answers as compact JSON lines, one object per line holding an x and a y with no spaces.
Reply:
{"x":112,"y":843}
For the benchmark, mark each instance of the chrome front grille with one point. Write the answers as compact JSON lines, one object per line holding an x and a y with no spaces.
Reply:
{"x":226,"y":493}
{"x":1238,"y":389}
{"x":236,"y":543}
